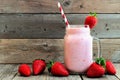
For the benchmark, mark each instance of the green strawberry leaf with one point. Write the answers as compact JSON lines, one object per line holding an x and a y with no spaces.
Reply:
{"x":93,"y":14}
{"x":49,"y":65}
{"x":101,"y":61}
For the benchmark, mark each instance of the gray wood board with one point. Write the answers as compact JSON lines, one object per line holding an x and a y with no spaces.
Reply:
{"x":26,"y":50}
{"x":117,"y":66}
{"x":8,"y":71}
{"x":50,"y":6}
{"x":70,"y":77}
{"x":105,"y":77}
{"x":14,"y":26}
{"x":38,"y":77}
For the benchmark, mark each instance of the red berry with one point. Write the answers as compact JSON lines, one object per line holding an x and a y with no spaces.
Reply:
{"x":24,"y":70}
{"x":57,"y":69}
{"x":38,"y":66}
{"x":110,"y":69}
{"x":95,"y":70}
{"x":91,"y":20}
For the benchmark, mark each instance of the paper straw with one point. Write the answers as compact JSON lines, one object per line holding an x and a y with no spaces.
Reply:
{"x":63,"y":15}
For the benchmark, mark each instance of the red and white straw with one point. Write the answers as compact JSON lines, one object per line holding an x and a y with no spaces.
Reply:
{"x":63,"y":15}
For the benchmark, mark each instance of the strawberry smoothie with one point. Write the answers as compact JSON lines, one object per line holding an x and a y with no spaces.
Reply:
{"x":78,"y":48}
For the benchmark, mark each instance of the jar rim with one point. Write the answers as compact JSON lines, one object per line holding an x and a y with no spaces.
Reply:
{"x":78,"y":26}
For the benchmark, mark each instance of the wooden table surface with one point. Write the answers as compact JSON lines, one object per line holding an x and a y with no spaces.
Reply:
{"x":9,"y":72}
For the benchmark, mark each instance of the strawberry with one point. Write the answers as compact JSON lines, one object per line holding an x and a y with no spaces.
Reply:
{"x":24,"y":70}
{"x":38,"y":66}
{"x":91,"y":20}
{"x":97,"y":68}
{"x":110,"y":69}
{"x":57,"y":69}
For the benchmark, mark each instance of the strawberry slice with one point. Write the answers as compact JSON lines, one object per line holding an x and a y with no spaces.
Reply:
{"x":24,"y":70}
{"x":38,"y":66}
{"x":110,"y":69}
{"x":57,"y":69}
{"x":97,"y":68}
{"x":91,"y":20}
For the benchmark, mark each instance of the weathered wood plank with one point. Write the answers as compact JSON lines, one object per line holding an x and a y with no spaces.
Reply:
{"x":117,"y":66}
{"x":38,"y":77}
{"x":110,"y":49}
{"x":14,"y":26}
{"x":50,"y":6}
{"x":26,"y":50}
{"x":43,"y":77}
{"x":70,"y":77}
{"x":8,"y":72}
{"x":105,"y":77}
{"x":2,"y":66}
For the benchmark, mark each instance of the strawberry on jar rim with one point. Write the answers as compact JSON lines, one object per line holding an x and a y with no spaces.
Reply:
{"x":57,"y":69}
{"x":91,"y":20}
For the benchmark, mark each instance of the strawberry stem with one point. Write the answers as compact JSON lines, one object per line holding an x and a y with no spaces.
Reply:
{"x":93,"y":14}
{"x":101,"y":61}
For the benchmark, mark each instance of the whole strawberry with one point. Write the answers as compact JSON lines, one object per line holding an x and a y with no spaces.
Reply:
{"x":24,"y":70}
{"x":110,"y":69}
{"x":97,"y":68}
{"x":38,"y":66}
{"x":57,"y":69}
{"x":91,"y":20}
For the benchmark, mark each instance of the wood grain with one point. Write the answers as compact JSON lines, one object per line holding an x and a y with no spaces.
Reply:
{"x":17,"y":26}
{"x":39,"y":77}
{"x":117,"y":67}
{"x":105,"y":77}
{"x":70,"y":77}
{"x":26,"y":50}
{"x":8,"y":72}
{"x":50,"y":6}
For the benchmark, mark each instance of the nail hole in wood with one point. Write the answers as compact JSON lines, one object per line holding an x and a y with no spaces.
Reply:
{"x":107,"y":29}
{"x":6,"y":26}
{"x":94,"y":54}
{"x":44,"y":29}
{"x":66,"y":3}
{"x":45,"y":45}
{"x":106,"y":25}
{"x":93,"y":30}
{"x":81,"y":6}
{"x":95,"y":33}
{"x":62,"y":20}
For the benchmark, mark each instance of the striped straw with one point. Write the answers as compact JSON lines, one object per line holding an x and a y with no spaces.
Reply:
{"x":63,"y":15}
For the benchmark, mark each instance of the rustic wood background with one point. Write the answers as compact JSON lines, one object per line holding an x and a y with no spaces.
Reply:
{"x":31,"y":29}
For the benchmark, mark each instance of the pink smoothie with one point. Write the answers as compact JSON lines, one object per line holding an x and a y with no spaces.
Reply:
{"x":78,"y":48}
